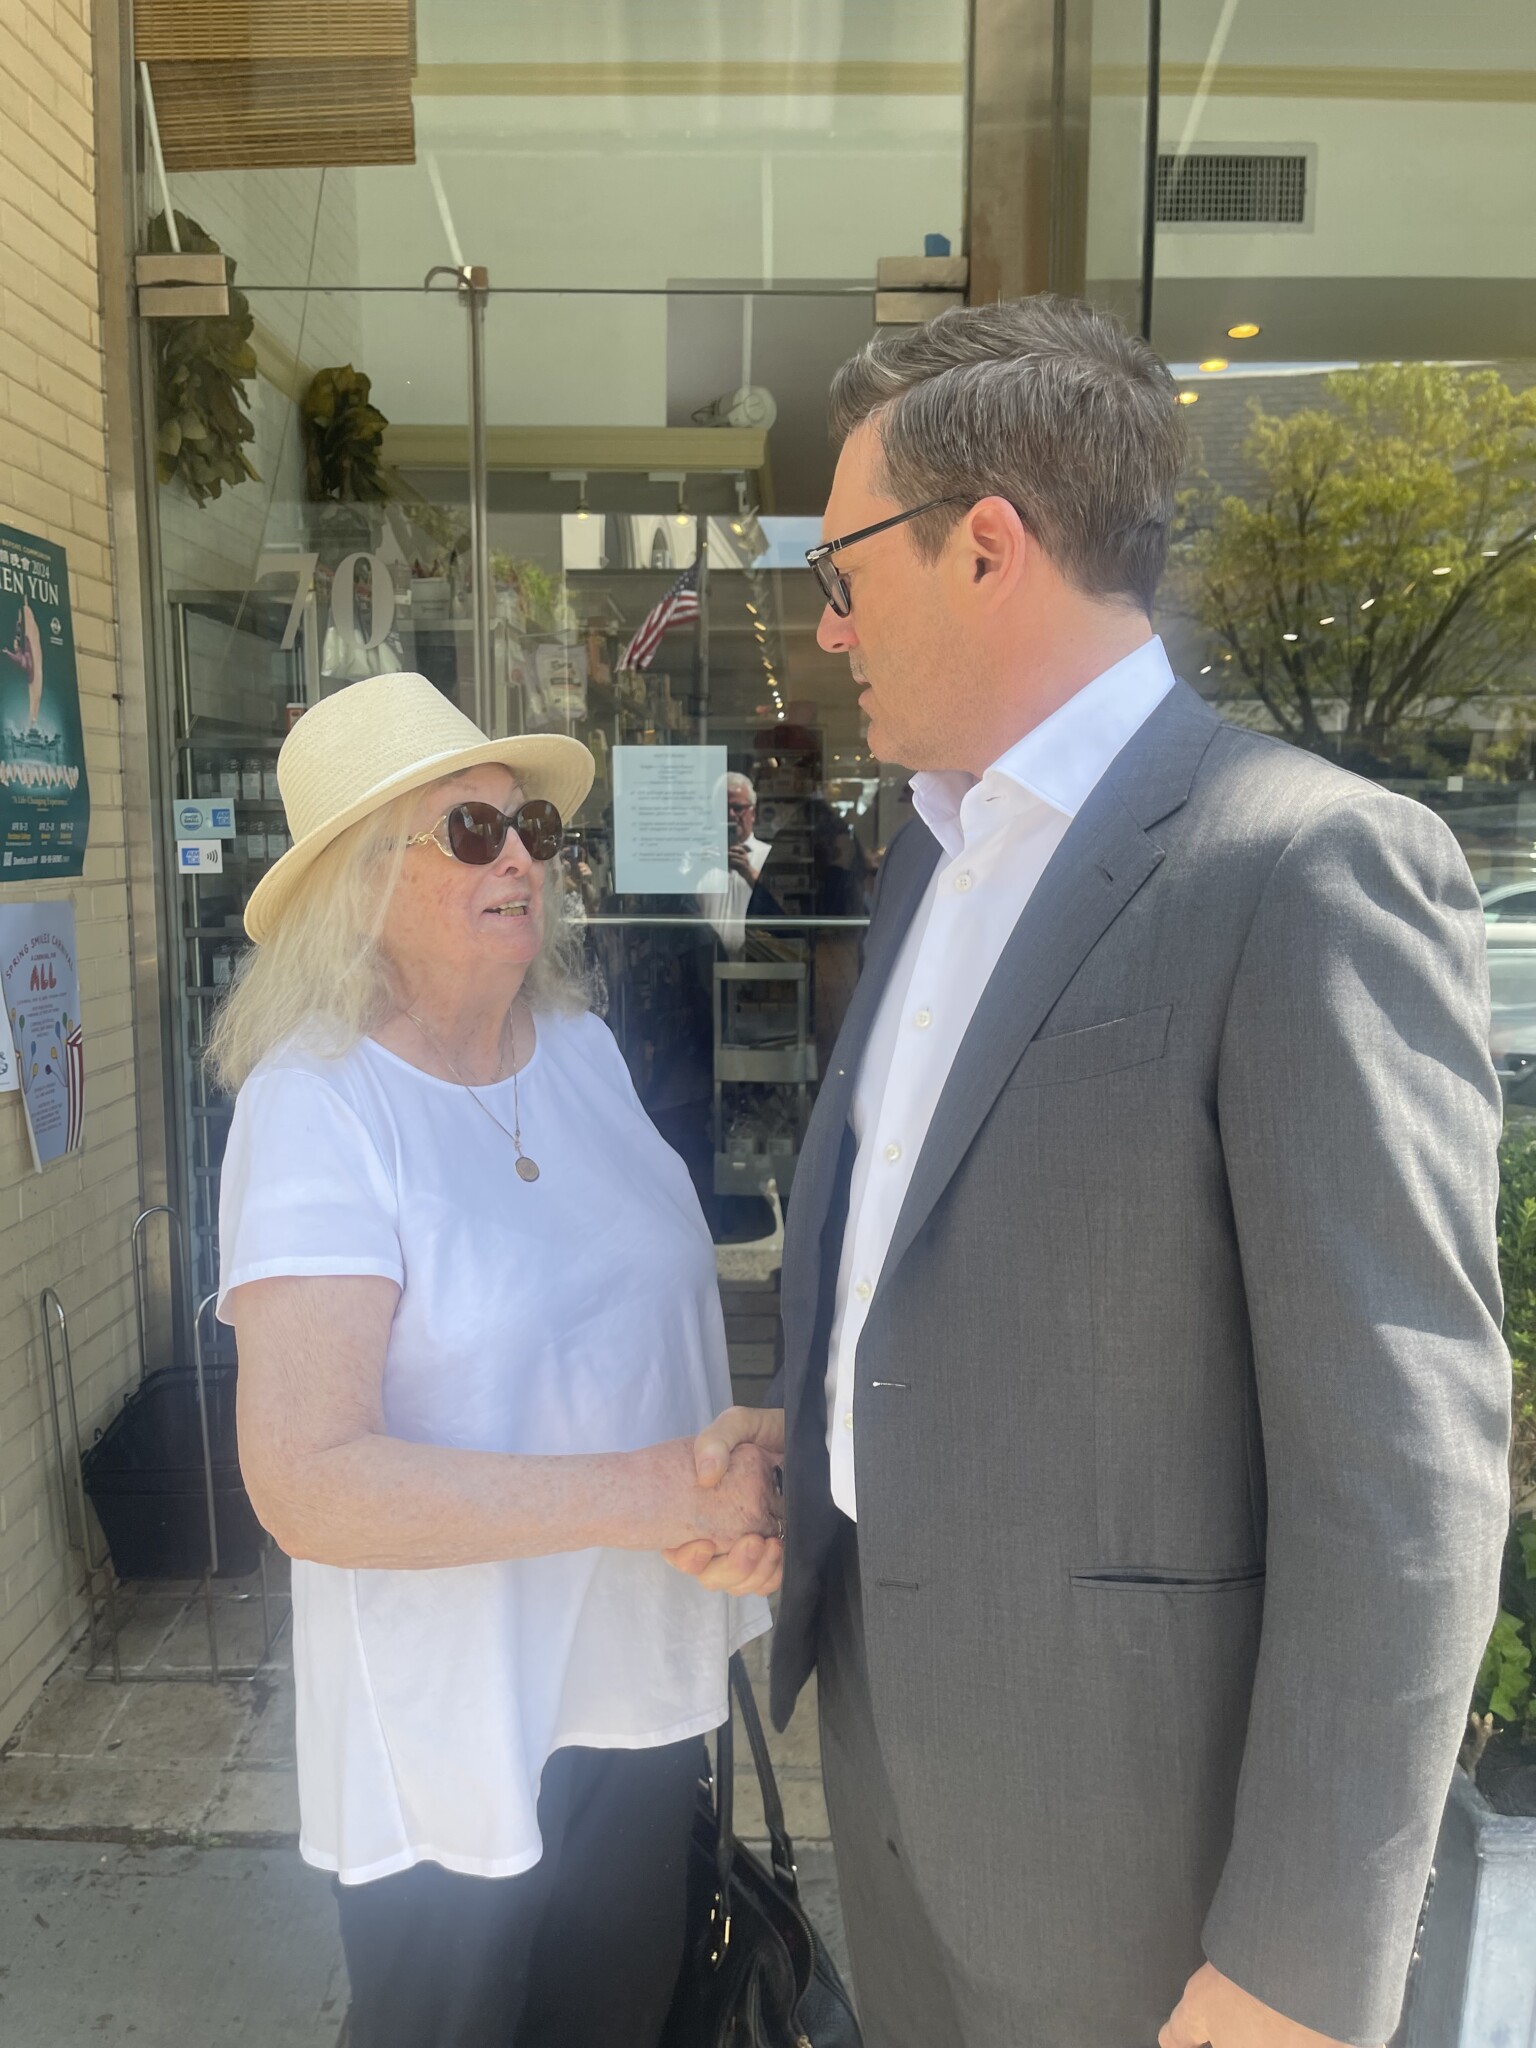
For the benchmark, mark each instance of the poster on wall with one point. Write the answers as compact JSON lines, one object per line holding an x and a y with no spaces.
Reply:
{"x":669,"y":834}
{"x":41,"y":986}
{"x":45,"y":800}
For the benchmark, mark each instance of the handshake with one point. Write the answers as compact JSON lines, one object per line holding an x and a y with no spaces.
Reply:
{"x":728,"y":1528}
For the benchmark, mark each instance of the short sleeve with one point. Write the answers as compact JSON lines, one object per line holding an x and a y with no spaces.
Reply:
{"x":304,"y":1190}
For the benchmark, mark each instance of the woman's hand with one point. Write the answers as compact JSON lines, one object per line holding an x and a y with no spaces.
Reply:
{"x":744,"y":1501}
{"x":753,"y":1564}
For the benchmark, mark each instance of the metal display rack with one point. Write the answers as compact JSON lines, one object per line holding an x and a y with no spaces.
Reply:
{"x":231,"y":711}
{"x":769,"y":1057}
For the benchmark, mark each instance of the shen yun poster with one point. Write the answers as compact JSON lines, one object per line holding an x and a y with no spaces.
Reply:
{"x":42,"y":1002}
{"x":45,"y":800}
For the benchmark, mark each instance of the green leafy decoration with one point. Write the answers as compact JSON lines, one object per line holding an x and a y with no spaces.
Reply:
{"x":201,"y":422}
{"x":343,"y":440}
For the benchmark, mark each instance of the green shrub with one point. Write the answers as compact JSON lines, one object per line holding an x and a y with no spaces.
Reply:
{"x":1506,"y":1684}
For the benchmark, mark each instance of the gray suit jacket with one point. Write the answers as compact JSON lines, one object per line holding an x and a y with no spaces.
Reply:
{"x":1179,"y":1537}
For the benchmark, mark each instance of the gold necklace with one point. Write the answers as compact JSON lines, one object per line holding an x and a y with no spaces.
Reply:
{"x":527,"y":1169}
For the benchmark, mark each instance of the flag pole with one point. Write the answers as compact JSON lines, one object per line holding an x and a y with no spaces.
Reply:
{"x":701,"y":627}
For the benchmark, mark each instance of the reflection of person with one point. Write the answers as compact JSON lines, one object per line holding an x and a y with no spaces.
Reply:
{"x":478,"y":1319}
{"x":744,"y":850}
{"x":727,"y":907}
{"x":1156,"y":1336}
{"x":26,"y":650}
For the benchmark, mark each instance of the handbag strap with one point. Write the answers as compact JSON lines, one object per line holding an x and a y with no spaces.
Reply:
{"x":781,"y":1848}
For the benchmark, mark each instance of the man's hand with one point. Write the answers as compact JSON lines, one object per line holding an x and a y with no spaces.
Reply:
{"x":1216,"y":2013}
{"x":754,"y":1564}
{"x":741,"y":863}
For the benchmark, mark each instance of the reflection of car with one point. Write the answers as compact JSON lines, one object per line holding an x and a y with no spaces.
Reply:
{"x":1510,"y":922}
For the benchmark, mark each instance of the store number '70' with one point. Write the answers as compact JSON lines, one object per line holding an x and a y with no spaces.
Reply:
{"x":284,"y":562}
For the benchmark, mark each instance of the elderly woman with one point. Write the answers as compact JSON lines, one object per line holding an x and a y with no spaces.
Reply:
{"x":478,"y":1327}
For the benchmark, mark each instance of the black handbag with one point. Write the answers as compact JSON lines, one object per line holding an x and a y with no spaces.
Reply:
{"x":755,"y":1974}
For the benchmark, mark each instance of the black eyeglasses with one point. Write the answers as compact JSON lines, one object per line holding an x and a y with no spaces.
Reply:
{"x":476,"y":833}
{"x":834,"y":585}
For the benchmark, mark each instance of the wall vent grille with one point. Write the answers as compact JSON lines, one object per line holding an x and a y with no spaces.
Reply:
{"x":1232,"y":190}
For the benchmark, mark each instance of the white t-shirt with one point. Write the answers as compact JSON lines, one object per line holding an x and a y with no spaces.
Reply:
{"x":577,"y":1314}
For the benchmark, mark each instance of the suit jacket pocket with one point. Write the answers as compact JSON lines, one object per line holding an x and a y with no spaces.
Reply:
{"x":1096,"y":1049}
{"x":1135,"y":1578}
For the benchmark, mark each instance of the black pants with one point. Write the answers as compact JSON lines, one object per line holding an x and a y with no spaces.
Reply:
{"x":582,"y":1951}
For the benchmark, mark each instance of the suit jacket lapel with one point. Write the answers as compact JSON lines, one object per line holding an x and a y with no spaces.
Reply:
{"x":1102,"y":861}
{"x":910,"y":861}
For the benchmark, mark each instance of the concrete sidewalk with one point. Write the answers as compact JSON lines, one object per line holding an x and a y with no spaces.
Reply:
{"x":192,"y":1948}
{"x":151,"y":1891}
{"x":166,"y":1948}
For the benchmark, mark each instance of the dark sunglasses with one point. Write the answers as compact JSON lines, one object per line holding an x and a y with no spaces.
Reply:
{"x":476,"y":833}
{"x":834,"y":585}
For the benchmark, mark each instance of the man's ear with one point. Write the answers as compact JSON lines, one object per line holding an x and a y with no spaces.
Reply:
{"x":994,"y":546}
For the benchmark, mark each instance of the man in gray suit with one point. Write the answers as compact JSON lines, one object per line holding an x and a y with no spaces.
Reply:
{"x":1145,"y":1407}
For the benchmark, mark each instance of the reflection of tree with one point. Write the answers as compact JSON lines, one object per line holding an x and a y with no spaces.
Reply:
{"x":1380,"y":574}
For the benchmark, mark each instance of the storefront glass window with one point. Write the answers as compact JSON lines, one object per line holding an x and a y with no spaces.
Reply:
{"x":1345,"y":283}
{"x":642,"y":593}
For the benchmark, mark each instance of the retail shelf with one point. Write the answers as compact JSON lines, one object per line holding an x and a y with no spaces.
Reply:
{"x":793,"y":1064}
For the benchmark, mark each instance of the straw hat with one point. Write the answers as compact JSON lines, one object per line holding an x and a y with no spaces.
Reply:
{"x":374,"y":741}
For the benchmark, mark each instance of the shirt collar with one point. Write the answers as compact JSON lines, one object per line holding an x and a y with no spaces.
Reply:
{"x":1062,"y":760}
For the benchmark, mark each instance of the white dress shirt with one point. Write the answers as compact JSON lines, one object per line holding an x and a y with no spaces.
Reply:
{"x":995,"y":838}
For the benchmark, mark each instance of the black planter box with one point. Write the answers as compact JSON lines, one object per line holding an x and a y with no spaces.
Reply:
{"x":144,"y":1477}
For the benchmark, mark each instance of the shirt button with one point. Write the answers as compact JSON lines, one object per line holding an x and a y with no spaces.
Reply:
{"x":863,"y":1290}
{"x":848,"y":1420}
{"x":923,"y":1019}
{"x":963,"y":882}
{"x":893,"y":1152}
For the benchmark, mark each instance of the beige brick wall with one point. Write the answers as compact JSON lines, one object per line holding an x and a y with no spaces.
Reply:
{"x":66,"y":1227}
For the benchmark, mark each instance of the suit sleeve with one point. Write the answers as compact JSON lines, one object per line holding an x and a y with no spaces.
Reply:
{"x":1359,"y":1118}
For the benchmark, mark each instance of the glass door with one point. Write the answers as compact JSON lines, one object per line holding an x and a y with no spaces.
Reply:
{"x":289,"y":565}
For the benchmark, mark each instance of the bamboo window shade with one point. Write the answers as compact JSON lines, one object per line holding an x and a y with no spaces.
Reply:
{"x":253,"y":84}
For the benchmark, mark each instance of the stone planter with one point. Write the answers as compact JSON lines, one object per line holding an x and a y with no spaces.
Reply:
{"x":1473,"y":1984}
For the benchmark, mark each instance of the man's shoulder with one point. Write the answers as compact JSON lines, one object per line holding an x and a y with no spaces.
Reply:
{"x":1264,"y":793}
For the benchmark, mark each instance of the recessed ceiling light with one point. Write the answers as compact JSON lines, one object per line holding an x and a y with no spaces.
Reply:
{"x":751,"y":607}
{"x":1290,"y":636}
{"x":1207,"y":669}
{"x":1366,"y":603}
{"x":1245,"y":330}
{"x":1189,"y":398}
{"x":1213,"y":364}
{"x":1441,"y":572}
{"x":1329,"y":620}
{"x":1489,"y":553}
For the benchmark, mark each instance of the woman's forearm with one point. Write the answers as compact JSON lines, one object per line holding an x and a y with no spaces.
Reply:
{"x":332,"y":1487}
{"x":381,"y":1503}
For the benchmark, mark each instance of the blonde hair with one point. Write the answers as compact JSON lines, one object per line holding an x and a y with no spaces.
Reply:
{"x":324,"y":979}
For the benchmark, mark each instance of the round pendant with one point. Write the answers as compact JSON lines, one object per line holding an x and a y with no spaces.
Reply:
{"x":526,"y":1169}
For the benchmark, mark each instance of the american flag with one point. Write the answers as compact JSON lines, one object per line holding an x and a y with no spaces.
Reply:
{"x":680,"y":603}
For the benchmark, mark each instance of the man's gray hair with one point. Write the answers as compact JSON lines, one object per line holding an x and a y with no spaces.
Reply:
{"x":1046,"y":402}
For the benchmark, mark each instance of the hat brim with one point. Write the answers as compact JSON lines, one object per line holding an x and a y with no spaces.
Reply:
{"x":547,"y":765}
